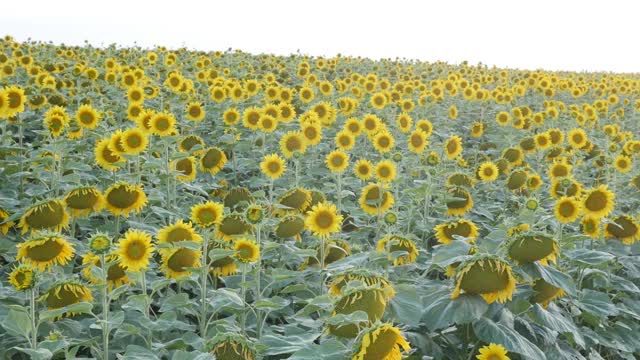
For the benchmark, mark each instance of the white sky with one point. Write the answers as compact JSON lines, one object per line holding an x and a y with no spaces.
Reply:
{"x":549,"y":34}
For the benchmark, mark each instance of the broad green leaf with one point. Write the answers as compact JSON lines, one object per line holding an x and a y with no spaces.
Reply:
{"x":491,"y":332}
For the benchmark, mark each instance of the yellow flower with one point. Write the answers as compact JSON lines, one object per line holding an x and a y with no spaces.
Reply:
{"x":291,"y":143}
{"x":48,"y":215}
{"x":123,"y":198}
{"x":545,"y":292}
{"x":7,"y":225}
{"x":459,"y":201}
{"x":622,"y":163}
{"x":623,"y":228}
{"x":177,"y":261}
{"x":374,"y":198}
{"x":345,"y":140}
{"x":84,"y":200}
{"x":385,"y":171}
{"x":371,"y":300}
{"x":186,"y":168}
{"x":488,"y":277}
{"x":417,"y":141}
{"x":598,"y":202}
{"x":488,"y":171}
{"x":337,"y":161}
{"x":66,"y":293}
{"x":133,"y":141}
{"x":212,"y":160}
{"x":453,"y":147}
{"x":246,"y":251}
{"x":567,"y":209}
{"x":105,"y":157}
{"x":162,"y":123}
{"x":207,"y":214}
{"x":492,"y":352}
{"x":195,"y":111}
{"x":363,"y":169}
{"x":382,"y":342}
{"x":134,"y":250}
{"x":323,"y":219}
{"x":22,"y":277}
{"x":176,"y":232}
{"x":273,"y":166}
{"x":397,"y":243}
{"x":87,"y":117}
{"x":383,"y":141}
{"x":312,"y":133}
{"x":447,"y":232}
{"x":116,"y":275}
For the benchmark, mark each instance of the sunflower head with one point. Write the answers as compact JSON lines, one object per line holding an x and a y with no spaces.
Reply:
{"x":382,"y":341}
{"x":370,"y":299}
{"x":100,"y":243}
{"x":450,"y":231}
{"x":334,"y":250}
{"x":232,"y":347}
{"x":238,"y":197}
{"x":487,"y":276}
{"x":545,"y":292}
{"x":176,"y":262}
{"x":207,"y":214}
{"x":254,"y":214}
{"x":246,"y":251}
{"x":48,"y":215}
{"x":134,"y":250}
{"x":273,"y":166}
{"x":65,"y":293}
{"x":376,"y":198}
{"x":84,"y":200}
{"x":623,"y":228}
{"x":289,"y":226}
{"x":529,"y":247}
{"x":598,"y":202}
{"x":123,"y":198}
{"x":44,"y":250}
{"x":459,"y":201}
{"x":394,"y":243}
{"x":323,"y":219}
{"x":225,"y":265}
{"x":176,"y":232}
{"x":212,"y":160}
{"x":492,"y":352}
{"x":232,"y":226}
{"x":295,"y":201}
{"x":23,"y":277}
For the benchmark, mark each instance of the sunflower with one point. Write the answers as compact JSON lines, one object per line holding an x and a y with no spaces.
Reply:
{"x":363,"y":169}
{"x":176,"y":232}
{"x":177,"y":261}
{"x":56,"y":120}
{"x":623,"y":228}
{"x":517,"y":180}
{"x":186,"y":168}
{"x":246,"y":251}
{"x":545,"y":292}
{"x":291,"y":143}
{"x":371,"y":300}
{"x":622,"y":163}
{"x":488,"y":171}
{"x":334,"y":250}
{"x":383,"y":141}
{"x":543,"y":141}
{"x":207,"y":214}
{"x":514,"y":156}
{"x":84,"y":200}
{"x":451,"y":231}
{"x":105,"y":157}
{"x":289,"y":226}
{"x":323,"y":219}
{"x":48,"y":215}
{"x":232,"y":347}
{"x":273,"y":166}
{"x":296,"y":200}
{"x":393,"y":243}
{"x":232,"y":226}
{"x":417,"y":141}
{"x":87,"y":117}
{"x":225,"y":265}
{"x":487,"y":276}
{"x":251,"y":118}
{"x":115,"y":142}
{"x":374,"y":198}
{"x":195,"y":111}
{"x":66,"y":293}
{"x":567,"y":209}
{"x":312,"y":133}
{"x":123,"y":198}
{"x":133,"y":141}
{"x":590,"y":226}
{"x":354,"y":126}
{"x":381,"y":342}
{"x":231,"y":116}
{"x":4,"y":224}
{"x":492,"y":352}
{"x":189,"y":142}
{"x":135,"y":95}
{"x":577,"y":138}
{"x":453,"y":147}
{"x":134,"y":250}
{"x":23,"y":277}
{"x":503,"y":118}
{"x":337,"y":161}
{"x":477,"y":129}
{"x":16,"y":100}
{"x":385,"y":171}
{"x":565,"y":186}
{"x":212,"y":160}
{"x":598,"y":202}
{"x":361,"y":277}
{"x":459,"y":201}
{"x":527,"y":248}
{"x":345,"y":140}
{"x":116,"y":275}
{"x":371,"y":124}
{"x":162,"y":123}
{"x":238,"y":196}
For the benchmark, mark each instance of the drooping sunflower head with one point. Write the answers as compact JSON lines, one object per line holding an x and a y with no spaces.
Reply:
{"x":623,"y":228}
{"x":116,"y":274}
{"x":334,"y":250}
{"x":527,"y":247}
{"x":185,"y":168}
{"x":290,"y":226}
{"x":207,"y":214}
{"x":382,"y":341}
{"x":123,"y":198}
{"x":190,"y":142}
{"x":232,"y":347}
{"x":517,"y":180}
{"x":65,"y":293}
{"x":545,"y":292}
{"x":134,"y":250}
{"x":460,"y":179}
{"x":177,"y":232}
{"x":296,"y":200}
{"x":212,"y":160}
{"x":454,"y":230}
{"x":4,"y":224}
{"x":370,"y":299}
{"x":176,"y":262}
{"x":223,"y":265}
{"x":84,"y":200}
{"x":360,"y":277}
{"x":232,"y":226}
{"x":273,"y":166}
{"x":487,"y":276}
{"x":23,"y":277}
{"x":323,"y":219}
{"x":374,"y":198}
{"x":238,"y":198}
{"x":392,"y":244}
{"x":105,"y":157}
{"x":598,"y":202}
{"x":492,"y":352}
{"x":246,"y":251}
{"x":49,"y":215}
{"x":459,"y":201}
{"x":565,"y":186}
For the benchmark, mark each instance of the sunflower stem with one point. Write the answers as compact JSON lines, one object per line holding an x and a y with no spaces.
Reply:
{"x":339,"y":191}
{"x":258,"y":290}
{"x":243,"y":317}
{"x":146,"y":304}
{"x":203,"y":286}
{"x":105,"y":309}
{"x":322,"y":265}
{"x":34,"y":328}
{"x":21,"y":159}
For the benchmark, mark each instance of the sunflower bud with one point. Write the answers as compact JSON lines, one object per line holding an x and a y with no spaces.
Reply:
{"x":100,"y":243}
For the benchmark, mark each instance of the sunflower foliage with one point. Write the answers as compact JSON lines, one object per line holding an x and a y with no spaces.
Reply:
{"x":177,"y":204}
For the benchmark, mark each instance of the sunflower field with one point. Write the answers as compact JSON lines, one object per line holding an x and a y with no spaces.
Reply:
{"x":178,"y":204}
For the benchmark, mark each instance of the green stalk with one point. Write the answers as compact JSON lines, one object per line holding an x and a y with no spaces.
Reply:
{"x":243,"y":317}
{"x":105,"y":309}
{"x":203,"y":286}
{"x":258,"y":290}
{"x":34,"y":328}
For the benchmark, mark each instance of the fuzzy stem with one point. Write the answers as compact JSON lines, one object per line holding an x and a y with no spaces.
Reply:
{"x":203,"y":287}
{"x":32,"y":308}
{"x":105,"y":309}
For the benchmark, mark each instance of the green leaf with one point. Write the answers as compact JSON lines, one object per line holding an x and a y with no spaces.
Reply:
{"x":597,"y":303}
{"x":17,"y":323}
{"x":328,"y":350}
{"x":193,"y":355}
{"x":272,"y":304}
{"x":39,"y":354}
{"x":135,"y":352}
{"x":491,"y":332}
{"x":441,"y":311}
{"x":588,"y":257}
{"x":278,"y":344}
{"x":444,"y":255}
{"x":78,"y":308}
{"x":556,"y":321}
